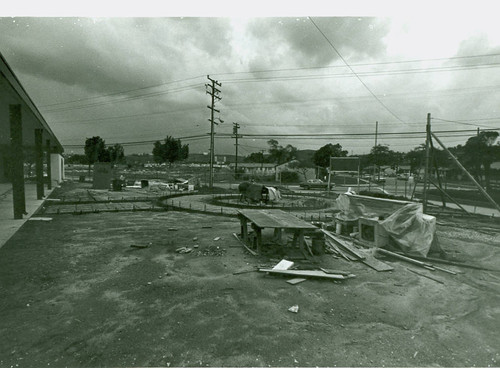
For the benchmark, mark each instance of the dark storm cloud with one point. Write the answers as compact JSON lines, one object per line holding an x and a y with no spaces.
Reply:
{"x":354,"y":37}
{"x":106,"y":55}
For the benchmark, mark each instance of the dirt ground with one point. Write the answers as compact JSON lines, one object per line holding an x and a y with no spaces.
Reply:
{"x":75,"y":293}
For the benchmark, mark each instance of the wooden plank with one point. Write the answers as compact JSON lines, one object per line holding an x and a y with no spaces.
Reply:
{"x":283,"y":265}
{"x":243,"y":243}
{"x":348,"y":247}
{"x":295,"y":281}
{"x":275,"y":219}
{"x":342,"y":254}
{"x":338,"y":272}
{"x":306,"y":273}
{"x":403,"y":258}
{"x":377,"y":265}
{"x":429,"y":277}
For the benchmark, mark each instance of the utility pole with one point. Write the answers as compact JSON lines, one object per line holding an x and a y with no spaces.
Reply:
{"x":427,"y":153}
{"x":236,"y":126}
{"x":375,"y":150}
{"x":213,"y":91}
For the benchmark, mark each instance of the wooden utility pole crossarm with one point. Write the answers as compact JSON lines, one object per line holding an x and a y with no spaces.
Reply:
{"x":213,"y":91}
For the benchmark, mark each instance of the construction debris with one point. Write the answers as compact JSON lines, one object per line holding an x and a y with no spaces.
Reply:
{"x":294,"y":309}
{"x":141,"y":246}
{"x":426,"y":276}
{"x":283,"y":265}
{"x":40,"y":219}
{"x":295,"y":281}
{"x":344,"y":244}
{"x":428,"y":266}
{"x":243,"y":243}
{"x":184,"y":250}
{"x":307,"y":273}
{"x":212,"y":250}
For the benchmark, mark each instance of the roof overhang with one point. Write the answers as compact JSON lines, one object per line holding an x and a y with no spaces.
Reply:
{"x":13,"y":93}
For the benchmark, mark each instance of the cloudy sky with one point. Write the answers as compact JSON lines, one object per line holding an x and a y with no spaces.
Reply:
{"x":305,"y":79}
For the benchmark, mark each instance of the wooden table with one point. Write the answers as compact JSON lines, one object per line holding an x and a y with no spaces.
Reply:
{"x":273,"y":219}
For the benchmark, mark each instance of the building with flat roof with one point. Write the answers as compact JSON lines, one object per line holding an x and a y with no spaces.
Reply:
{"x":25,"y":140}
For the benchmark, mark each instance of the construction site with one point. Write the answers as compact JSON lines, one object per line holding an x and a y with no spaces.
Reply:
{"x":176,"y":263}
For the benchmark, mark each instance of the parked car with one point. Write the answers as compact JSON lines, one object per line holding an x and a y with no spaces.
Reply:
{"x":316,"y":184}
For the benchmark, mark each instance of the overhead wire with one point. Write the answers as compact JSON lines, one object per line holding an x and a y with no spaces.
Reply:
{"x":354,"y":72}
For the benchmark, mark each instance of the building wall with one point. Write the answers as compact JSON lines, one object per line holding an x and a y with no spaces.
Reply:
{"x":56,"y":168}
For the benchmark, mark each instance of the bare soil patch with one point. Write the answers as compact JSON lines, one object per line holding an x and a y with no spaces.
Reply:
{"x":75,"y":293}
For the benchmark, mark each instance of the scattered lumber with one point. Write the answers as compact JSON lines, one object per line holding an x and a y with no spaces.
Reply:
{"x":243,"y":243}
{"x":377,"y":265}
{"x":454,"y":263}
{"x":343,"y":254}
{"x":429,"y":266}
{"x":426,"y":276}
{"x":344,"y":244}
{"x":306,"y":273}
{"x":244,"y":271}
{"x":339,"y":272}
{"x":295,"y":281}
{"x":283,"y":265}
{"x":308,"y":244}
{"x":40,"y":219}
{"x":404,"y":258}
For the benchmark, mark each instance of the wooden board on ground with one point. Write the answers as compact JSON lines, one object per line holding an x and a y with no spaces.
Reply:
{"x":295,"y":281}
{"x":377,"y":265}
{"x":242,"y":243}
{"x":342,"y":253}
{"x":344,"y":244}
{"x":306,"y":273}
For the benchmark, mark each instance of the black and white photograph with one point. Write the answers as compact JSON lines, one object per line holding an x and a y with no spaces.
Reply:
{"x":254,"y":184}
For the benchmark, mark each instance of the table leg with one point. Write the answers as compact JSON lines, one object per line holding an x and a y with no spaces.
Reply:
{"x":295,"y":238}
{"x":258,"y":233}
{"x":244,"y":229}
{"x":277,"y":235}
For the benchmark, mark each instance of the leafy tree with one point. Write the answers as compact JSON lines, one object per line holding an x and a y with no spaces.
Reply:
{"x":76,"y":159}
{"x":322,"y":156}
{"x":280,"y":154}
{"x":116,"y":153}
{"x":257,"y":157}
{"x":170,"y":150}
{"x":95,"y":150}
{"x":478,"y":155}
{"x":300,"y":166}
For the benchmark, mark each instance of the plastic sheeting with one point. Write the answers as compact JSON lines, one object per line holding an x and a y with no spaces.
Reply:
{"x":411,"y":230}
{"x":352,"y":207}
{"x":274,"y":194}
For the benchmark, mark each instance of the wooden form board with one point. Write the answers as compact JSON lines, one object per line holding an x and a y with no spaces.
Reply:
{"x":306,"y":273}
{"x":275,"y":219}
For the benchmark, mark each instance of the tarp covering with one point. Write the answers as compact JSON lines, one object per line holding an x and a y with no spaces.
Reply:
{"x":274,"y":194}
{"x":250,"y":191}
{"x":413,"y":231}
{"x":352,"y":207}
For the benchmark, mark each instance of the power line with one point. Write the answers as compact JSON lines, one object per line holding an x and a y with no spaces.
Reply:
{"x":124,"y":99}
{"x":362,"y":64}
{"x":464,"y":122}
{"x":119,"y":92}
{"x":353,"y":72}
